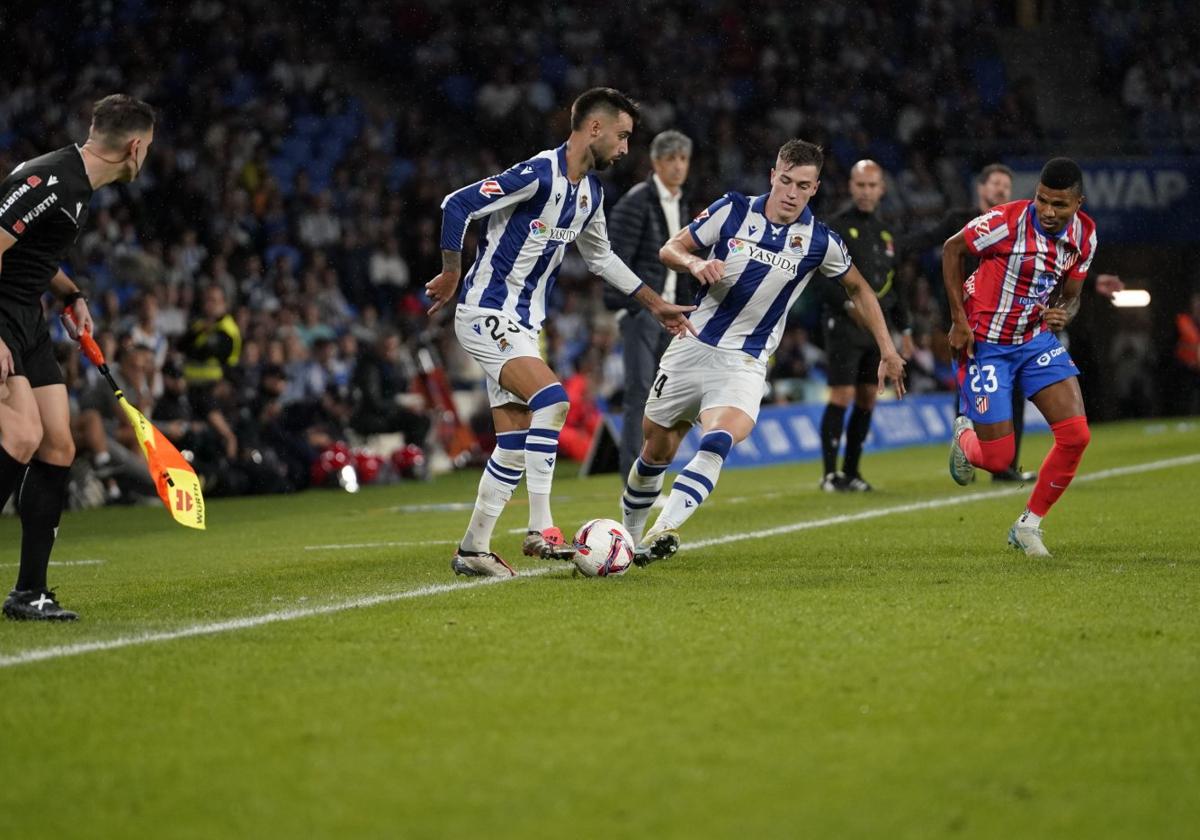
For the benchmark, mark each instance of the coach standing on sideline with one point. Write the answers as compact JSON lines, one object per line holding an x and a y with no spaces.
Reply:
{"x":639,"y":225}
{"x":43,"y":206}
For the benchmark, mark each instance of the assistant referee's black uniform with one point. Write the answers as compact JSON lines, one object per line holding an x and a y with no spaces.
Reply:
{"x":44,"y":206}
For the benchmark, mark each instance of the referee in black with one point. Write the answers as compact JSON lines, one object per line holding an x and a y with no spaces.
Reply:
{"x":43,"y":206}
{"x":851,"y":352}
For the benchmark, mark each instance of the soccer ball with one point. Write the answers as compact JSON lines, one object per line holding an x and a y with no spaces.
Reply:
{"x":603,"y":548}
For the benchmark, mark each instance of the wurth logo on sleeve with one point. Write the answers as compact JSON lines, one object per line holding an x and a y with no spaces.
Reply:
{"x":14,"y":197}
{"x":33,"y":180}
{"x":40,"y":208}
{"x":491,"y":188}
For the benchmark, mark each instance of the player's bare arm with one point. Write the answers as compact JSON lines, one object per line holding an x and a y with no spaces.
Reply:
{"x":954,"y":252}
{"x":672,"y":316}
{"x":891,"y":366}
{"x":677,"y":255}
{"x":1063,"y":309}
{"x":441,"y":289}
{"x":64,"y":288}
{"x":7,"y":240}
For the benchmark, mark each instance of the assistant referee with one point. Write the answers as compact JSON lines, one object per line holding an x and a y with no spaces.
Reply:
{"x":43,"y":206}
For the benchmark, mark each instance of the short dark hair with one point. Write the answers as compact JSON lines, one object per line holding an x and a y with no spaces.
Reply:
{"x":991,"y":169}
{"x":602,"y":98}
{"x":802,"y":153}
{"x":119,"y":115}
{"x":1062,"y":173}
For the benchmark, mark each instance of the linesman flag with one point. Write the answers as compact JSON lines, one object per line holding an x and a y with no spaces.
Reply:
{"x":177,"y":483}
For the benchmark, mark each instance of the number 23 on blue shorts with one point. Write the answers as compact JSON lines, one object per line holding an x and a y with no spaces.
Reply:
{"x":985,"y":381}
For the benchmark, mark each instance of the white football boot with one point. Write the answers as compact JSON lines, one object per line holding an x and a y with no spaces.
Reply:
{"x":1028,"y":538}
{"x":659,"y":544}
{"x":480,"y":564}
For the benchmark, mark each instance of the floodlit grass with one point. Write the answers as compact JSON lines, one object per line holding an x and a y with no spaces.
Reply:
{"x":904,"y":675}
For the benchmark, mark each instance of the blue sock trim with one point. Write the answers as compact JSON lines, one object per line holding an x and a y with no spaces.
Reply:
{"x":638,"y":505}
{"x":718,"y":442}
{"x":510,"y":440}
{"x":641,"y":494}
{"x":688,"y":491}
{"x":551,"y":394}
{"x":699,"y":479}
{"x":650,"y":470}
{"x":515,"y":475}
{"x":511,"y":482}
{"x":544,"y":433}
{"x":541,"y":447}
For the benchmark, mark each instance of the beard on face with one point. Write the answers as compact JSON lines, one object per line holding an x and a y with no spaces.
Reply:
{"x":600,"y":161}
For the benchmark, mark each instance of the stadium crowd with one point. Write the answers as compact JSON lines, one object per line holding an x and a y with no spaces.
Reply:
{"x":260,"y":286}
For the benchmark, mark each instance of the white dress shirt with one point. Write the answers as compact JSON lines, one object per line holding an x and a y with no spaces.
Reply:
{"x":670,"y":206}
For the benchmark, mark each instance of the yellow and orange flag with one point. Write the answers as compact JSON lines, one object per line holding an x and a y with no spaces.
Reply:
{"x":177,"y":483}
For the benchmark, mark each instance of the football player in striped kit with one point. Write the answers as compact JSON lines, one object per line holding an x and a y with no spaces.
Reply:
{"x":759,"y":255}
{"x":534,"y":210}
{"x":1034,"y":256}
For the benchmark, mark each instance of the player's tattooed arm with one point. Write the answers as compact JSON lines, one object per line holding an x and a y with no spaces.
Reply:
{"x":441,"y":289}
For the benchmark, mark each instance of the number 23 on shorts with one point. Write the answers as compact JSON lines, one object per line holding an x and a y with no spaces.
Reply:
{"x":983,"y":379}
{"x":497,"y":326}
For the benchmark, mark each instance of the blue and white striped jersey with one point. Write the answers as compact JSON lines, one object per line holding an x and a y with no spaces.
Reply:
{"x":534,"y":213}
{"x":767,"y":266}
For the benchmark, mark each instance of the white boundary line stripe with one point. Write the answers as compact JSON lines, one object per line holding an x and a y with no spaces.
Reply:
{"x":385,"y":544}
{"x":945,"y":501}
{"x":58,"y":563}
{"x":42,"y":654}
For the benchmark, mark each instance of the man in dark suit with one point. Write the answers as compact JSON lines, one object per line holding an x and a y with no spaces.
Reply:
{"x":641,"y":223}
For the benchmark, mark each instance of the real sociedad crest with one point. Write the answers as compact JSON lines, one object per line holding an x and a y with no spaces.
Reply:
{"x":797,"y":243}
{"x":583,"y":203}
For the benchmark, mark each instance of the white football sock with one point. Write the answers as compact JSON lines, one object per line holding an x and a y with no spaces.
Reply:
{"x":549,"y":407}
{"x":501,"y":475}
{"x":642,"y":486}
{"x":694,"y":483}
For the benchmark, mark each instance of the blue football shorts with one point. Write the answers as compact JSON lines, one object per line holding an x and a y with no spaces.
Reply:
{"x":985,"y":381}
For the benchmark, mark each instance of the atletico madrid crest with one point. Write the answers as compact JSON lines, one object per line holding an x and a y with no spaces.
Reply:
{"x":981,"y":404}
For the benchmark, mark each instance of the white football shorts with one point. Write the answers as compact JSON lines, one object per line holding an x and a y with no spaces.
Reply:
{"x":694,"y":377}
{"x":492,"y":339}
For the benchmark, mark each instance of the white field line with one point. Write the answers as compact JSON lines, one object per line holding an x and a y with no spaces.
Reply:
{"x":61,"y":651}
{"x":40,"y":654}
{"x":58,"y":563}
{"x":945,"y":501}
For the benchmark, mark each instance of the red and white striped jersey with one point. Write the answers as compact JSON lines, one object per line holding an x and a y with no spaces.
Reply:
{"x":1019,"y":266}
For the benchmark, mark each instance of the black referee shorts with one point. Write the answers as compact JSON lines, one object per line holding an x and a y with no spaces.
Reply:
{"x":24,"y":330}
{"x":852,"y":357}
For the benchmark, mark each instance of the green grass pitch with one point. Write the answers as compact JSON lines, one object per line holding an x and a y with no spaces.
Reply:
{"x":878,"y":669}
